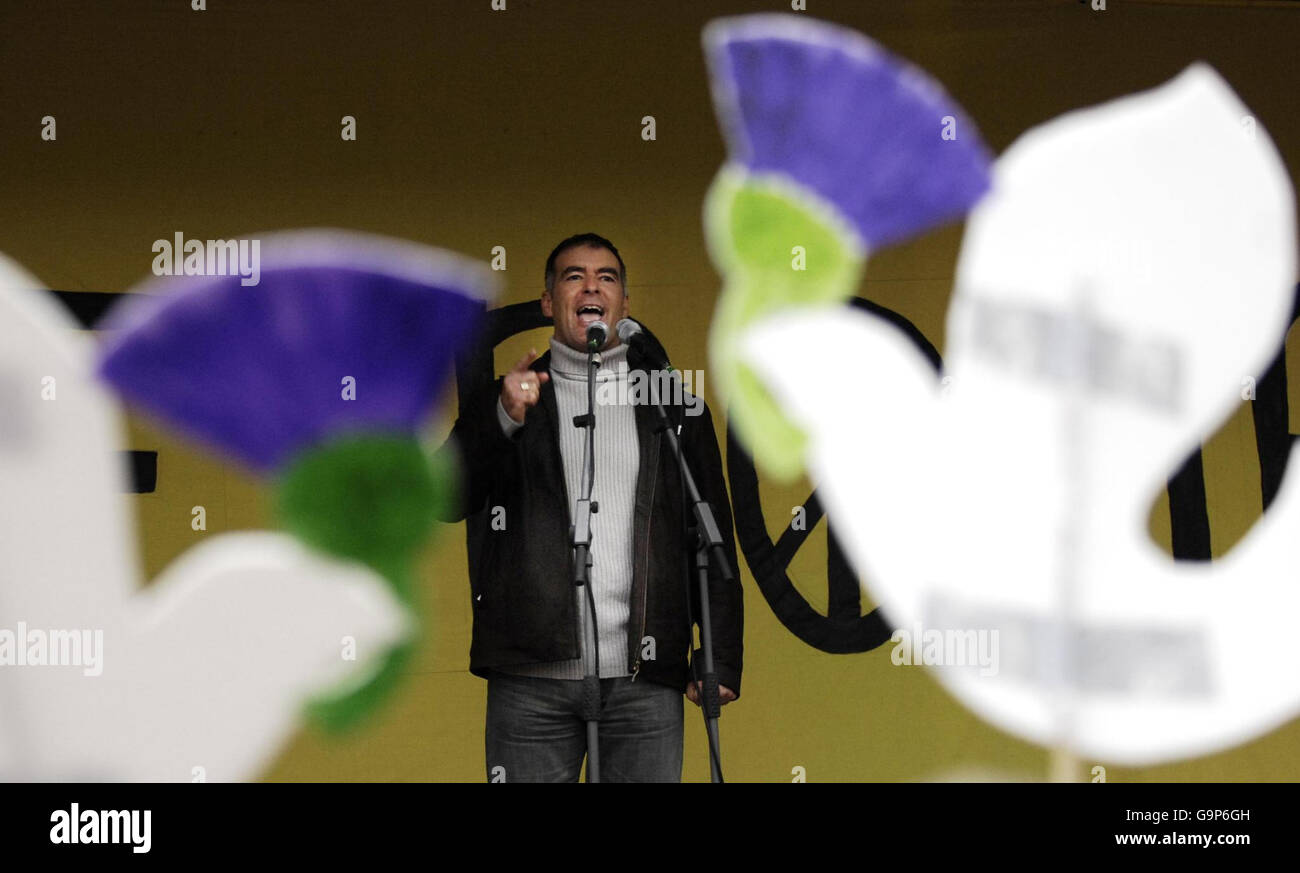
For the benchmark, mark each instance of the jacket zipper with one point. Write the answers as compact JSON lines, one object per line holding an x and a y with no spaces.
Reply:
{"x":645,"y":595}
{"x":546,"y":400}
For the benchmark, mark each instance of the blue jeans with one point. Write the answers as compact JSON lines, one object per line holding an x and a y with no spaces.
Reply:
{"x":535,"y":731}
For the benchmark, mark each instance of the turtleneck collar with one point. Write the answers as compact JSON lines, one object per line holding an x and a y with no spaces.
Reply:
{"x":572,"y":364}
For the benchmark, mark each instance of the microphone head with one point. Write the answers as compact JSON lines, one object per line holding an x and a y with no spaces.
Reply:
{"x":597,"y":332}
{"x":626,"y":329}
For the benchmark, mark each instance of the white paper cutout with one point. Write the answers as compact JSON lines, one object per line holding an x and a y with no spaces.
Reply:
{"x":1133,"y":263}
{"x":208,"y":667}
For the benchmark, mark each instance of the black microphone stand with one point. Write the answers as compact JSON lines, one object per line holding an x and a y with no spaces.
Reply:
{"x":582,"y":567}
{"x":708,"y":543}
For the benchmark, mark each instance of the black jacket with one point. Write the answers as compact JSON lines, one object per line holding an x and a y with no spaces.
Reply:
{"x":521,"y":566}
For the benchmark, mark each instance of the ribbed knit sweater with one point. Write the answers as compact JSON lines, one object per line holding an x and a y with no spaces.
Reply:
{"x":617,"y":464}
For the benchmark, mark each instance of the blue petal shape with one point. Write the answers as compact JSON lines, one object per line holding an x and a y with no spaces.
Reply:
{"x":259,"y":371}
{"x":832,"y":110}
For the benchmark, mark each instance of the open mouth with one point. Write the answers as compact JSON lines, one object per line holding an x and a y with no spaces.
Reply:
{"x":589,"y":313}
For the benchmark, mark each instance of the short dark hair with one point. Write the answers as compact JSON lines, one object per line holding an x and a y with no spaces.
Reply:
{"x":594,"y":240}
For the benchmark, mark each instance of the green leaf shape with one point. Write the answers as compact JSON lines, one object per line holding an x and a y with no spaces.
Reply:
{"x":342,"y":711}
{"x":753,"y":223}
{"x":371,"y":498}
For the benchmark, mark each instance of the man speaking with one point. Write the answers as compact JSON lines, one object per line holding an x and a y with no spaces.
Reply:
{"x":523,"y":459}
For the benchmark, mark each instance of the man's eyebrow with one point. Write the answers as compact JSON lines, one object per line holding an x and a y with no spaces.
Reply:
{"x":613,"y":271}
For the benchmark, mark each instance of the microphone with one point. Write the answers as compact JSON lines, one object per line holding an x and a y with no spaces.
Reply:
{"x":597,"y":332}
{"x":639,"y":342}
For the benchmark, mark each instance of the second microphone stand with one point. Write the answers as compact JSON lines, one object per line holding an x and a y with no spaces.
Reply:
{"x":709,"y":542}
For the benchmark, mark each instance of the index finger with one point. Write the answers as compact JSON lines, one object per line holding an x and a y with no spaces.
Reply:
{"x":522,"y":364}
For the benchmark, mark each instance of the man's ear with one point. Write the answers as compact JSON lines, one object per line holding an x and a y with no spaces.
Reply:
{"x":546,"y":304}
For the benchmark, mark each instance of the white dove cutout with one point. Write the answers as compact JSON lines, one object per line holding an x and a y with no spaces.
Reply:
{"x":1132,"y":264}
{"x":201,"y":676}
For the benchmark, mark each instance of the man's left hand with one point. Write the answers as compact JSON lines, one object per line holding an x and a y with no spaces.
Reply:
{"x":695,"y":689}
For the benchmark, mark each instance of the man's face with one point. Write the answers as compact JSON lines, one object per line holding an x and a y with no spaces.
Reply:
{"x":587,"y":288}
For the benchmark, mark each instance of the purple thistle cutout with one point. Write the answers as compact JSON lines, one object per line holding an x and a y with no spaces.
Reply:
{"x":258,"y":371}
{"x":835,"y":112}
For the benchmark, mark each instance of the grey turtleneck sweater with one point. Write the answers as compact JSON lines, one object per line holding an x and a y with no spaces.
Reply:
{"x":617,"y":464}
